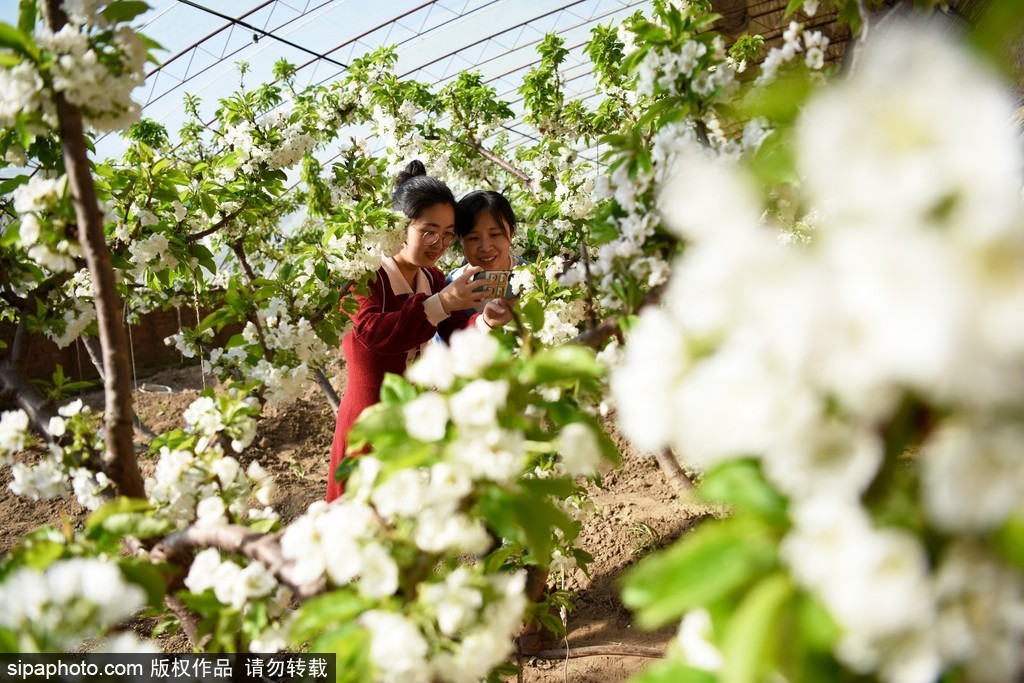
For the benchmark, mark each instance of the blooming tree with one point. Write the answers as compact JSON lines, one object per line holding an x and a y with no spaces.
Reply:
{"x":803,"y":291}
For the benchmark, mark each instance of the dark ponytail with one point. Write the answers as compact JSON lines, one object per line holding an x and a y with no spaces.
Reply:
{"x":415,"y":191}
{"x":473,"y":204}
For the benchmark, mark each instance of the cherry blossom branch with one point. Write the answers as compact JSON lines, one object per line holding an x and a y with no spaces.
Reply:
{"x":609,"y":327}
{"x":187,"y":618}
{"x":233,"y":538}
{"x":196,"y":236}
{"x":250,"y":276}
{"x":119,"y":461}
{"x":499,"y":162}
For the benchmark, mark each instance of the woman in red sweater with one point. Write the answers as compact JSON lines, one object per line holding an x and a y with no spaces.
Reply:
{"x":408,"y":303}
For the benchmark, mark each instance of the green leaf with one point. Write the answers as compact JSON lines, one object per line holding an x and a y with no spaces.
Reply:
{"x":120,"y":505}
{"x":741,"y":484}
{"x":37,"y":553}
{"x":124,"y":10}
{"x":148,"y":576}
{"x":351,"y":647}
{"x":263,"y":526}
{"x":536,"y":518}
{"x":207,"y":203}
{"x":675,"y":672}
{"x":748,"y":633}
{"x":817,"y":627}
{"x":1008,"y":540}
{"x":325,"y":612}
{"x":18,"y":41}
{"x":378,"y":420}
{"x":564,"y":362}
{"x":27,"y":11}
{"x":496,"y":560}
{"x":395,"y":389}
{"x":533,"y":311}
{"x":714,"y":561}
{"x":135,"y":524}
{"x":10,"y":236}
{"x":557,"y":487}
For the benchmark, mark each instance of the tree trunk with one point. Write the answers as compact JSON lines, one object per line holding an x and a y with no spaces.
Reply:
{"x":119,"y":460}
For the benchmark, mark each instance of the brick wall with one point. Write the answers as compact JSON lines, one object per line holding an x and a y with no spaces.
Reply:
{"x":146,"y":346}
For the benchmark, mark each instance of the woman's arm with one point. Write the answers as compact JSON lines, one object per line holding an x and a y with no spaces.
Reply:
{"x":398,"y":330}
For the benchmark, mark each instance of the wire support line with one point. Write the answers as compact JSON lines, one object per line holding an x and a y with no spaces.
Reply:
{"x":418,"y":36}
{"x":267,"y":34}
{"x":493,"y":36}
{"x":623,"y":7}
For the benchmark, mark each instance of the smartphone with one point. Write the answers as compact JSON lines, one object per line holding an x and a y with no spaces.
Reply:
{"x":498,"y":283}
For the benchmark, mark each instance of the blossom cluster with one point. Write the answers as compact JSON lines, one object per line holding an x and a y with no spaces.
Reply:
{"x":796,"y":40}
{"x":61,"y":471}
{"x":232,"y":584}
{"x":296,"y":348}
{"x":59,"y":608}
{"x":151,"y":252}
{"x":195,"y":481}
{"x":272,"y":142}
{"x":461,"y":623}
{"x":351,"y":256}
{"x":13,"y":433}
{"x":803,"y":354}
{"x":46,"y":220}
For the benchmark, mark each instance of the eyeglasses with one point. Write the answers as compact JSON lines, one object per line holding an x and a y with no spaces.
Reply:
{"x":431,"y":237}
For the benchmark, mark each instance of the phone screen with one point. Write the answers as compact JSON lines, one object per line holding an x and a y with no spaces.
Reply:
{"x":496,"y":282}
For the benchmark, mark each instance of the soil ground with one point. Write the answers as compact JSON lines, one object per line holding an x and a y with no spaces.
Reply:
{"x":638,"y":512}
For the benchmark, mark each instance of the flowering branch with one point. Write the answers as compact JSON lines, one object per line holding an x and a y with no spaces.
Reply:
{"x":609,"y":327}
{"x":234,"y":538}
{"x":119,"y":461}
{"x":195,"y":237}
{"x":500,"y":163}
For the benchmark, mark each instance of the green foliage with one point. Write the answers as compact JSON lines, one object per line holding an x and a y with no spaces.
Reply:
{"x":718,"y":561}
{"x":60,"y":385}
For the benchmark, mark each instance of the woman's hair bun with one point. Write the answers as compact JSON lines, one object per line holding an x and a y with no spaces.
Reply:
{"x":415,"y":191}
{"x":412,"y":169}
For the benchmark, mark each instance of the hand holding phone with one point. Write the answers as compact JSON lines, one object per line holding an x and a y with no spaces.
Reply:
{"x":497,"y":283}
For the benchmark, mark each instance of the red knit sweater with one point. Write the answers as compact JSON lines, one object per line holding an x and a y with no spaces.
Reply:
{"x":387,"y":327}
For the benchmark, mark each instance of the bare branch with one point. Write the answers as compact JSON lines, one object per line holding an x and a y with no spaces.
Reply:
{"x":673,"y":471}
{"x":600,"y":651}
{"x":188,"y":620}
{"x":95,"y":352}
{"x":328,"y":390}
{"x":235,"y":538}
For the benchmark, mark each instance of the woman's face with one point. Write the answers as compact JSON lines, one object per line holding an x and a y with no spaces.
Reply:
{"x":429,"y":235}
{"x":488,"y":244}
